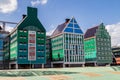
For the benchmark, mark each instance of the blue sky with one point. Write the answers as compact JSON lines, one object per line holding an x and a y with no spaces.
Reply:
{"x":51,"y":13}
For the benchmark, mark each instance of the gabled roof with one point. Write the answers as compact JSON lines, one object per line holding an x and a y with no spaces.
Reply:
{"x":73,"y":27}
{"x":30,"y":19}
{"x":70,"y":26}
{"x":59,"y":29}
{"x":91,"y":32}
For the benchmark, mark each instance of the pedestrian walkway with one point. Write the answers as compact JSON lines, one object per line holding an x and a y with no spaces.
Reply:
{"x":78,"y":73}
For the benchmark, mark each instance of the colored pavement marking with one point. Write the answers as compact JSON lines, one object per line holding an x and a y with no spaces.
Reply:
{"x":86,"y":73}
{"x":57,"y":77}
{"x":114,"y":72}
{"x":12,"y":78}
{"x":91,"y":74}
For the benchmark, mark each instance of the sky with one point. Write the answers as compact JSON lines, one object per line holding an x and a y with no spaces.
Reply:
{"x":51,"y":13}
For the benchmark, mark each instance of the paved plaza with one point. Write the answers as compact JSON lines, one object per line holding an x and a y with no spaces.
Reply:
{"x":74,"y":73}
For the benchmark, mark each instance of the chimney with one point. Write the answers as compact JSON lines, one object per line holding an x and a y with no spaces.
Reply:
{"x":67,"y":20}
{"x":23,"y":16}
{"x":0,"y":28}
{"x":31,"y":12}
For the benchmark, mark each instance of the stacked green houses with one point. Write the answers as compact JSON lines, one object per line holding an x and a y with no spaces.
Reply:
{"x":26,"y":46}
{"x":97,"y":46}
{"x":27,"y":42}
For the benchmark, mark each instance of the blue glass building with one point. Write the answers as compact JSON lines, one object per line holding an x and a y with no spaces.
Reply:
{"x":3,"y":34}
{"x":67,"y":44}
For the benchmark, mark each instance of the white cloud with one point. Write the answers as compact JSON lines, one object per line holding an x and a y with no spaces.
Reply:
{"x":37,"y":2}
{"x":49,"y":33}
{"x":114,"y":31}
{"x":7,"y":6}
{"x":8,"y":28}
{"x":52,"y":29}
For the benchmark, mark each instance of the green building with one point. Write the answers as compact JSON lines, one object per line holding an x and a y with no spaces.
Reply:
{"x":97,"y":46}
{"x":67,"y":44}
{"x":28,"y":42}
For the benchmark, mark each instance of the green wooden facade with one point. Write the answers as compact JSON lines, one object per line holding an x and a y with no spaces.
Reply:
{"x":97,"y":47}
{"x":13,"y":46}
{"x":21,"y":37}
{"x":57,"y":48}
{"x":90,"y":49}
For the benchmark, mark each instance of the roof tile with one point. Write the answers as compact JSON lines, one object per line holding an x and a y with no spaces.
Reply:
{"x":91,"y":32}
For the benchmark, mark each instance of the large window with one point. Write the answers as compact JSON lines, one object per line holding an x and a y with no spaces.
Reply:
{"x":70,"y":25}
{"x":76,"y":26}
{"x":68,"y":30}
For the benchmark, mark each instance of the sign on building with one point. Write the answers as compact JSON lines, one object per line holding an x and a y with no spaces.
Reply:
{"x":31,"y":45}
